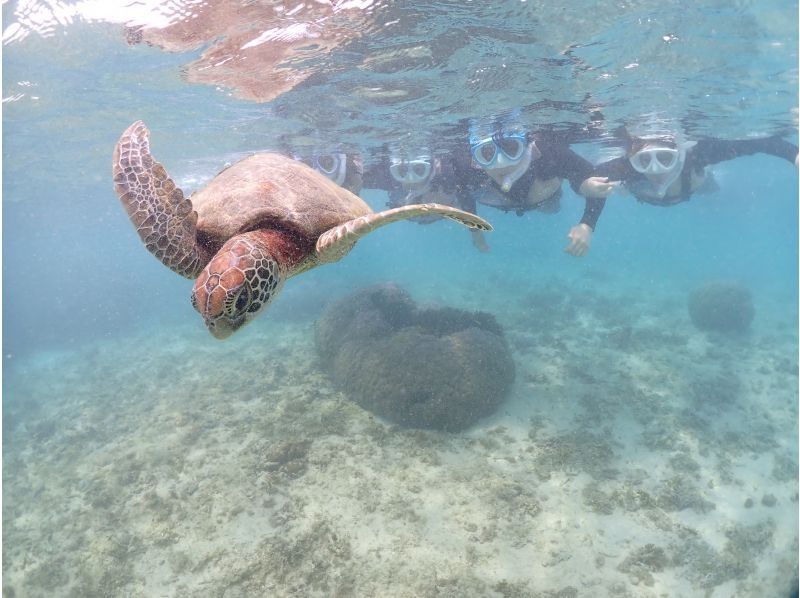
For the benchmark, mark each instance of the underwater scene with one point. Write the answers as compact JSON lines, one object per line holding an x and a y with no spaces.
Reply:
{"x":371,"y":298}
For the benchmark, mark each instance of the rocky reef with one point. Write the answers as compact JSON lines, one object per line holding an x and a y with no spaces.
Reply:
{"x":437,"y":367}
{"x":721,"y":306}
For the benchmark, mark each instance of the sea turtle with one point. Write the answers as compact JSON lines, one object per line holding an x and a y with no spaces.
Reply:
{"x":257,"y":223}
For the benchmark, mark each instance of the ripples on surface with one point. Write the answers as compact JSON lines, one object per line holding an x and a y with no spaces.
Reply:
{"x":366,"y":72}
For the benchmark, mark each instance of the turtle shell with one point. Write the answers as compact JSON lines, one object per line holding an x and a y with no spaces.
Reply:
{"x":269,"y":190}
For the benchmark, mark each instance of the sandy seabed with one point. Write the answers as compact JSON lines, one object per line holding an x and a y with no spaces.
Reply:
{"x":636,"y":456}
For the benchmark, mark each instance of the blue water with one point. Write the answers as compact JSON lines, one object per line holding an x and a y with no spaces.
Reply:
{"x":75,"y":275}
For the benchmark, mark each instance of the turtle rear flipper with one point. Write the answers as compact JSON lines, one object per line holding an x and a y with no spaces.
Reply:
{"x":335,"y":243}
{"x":164,"y":219}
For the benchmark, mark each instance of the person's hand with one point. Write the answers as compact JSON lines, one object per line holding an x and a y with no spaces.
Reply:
{"x":597,"y":187}
{"x":580,"y":239}
{"x":479,"y":241}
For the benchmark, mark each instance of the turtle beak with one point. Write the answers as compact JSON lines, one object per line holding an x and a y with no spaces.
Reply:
{"x":220,"y":328}
{"x":209,"y":306}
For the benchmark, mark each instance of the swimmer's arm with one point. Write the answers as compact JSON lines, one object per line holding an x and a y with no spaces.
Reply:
{"x":580,"y":235}
{"x":616,"y":170}
{"x":714,"y":151}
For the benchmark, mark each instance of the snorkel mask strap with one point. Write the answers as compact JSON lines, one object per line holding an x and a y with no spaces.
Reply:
{"x":536,"y":153}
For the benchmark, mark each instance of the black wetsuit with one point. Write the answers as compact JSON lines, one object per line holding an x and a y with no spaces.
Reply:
{"x":377,"y":176}
{"x":705,"y":153}
{"x":556,"y":160}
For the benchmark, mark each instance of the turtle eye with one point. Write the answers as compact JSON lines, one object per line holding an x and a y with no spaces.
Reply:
{"x":238,"y":303}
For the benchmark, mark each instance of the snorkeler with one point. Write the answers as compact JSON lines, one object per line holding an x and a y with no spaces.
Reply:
{"x":416,"y":176}
{"x":525,"y":171}
{"x":665,"y":170}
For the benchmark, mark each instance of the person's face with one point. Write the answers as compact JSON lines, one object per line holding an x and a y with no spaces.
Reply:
{"x":500,"y":151}
{"x":655,"y":159}
{"x":660,"y":163}
{"x":413,"y":174}
{"x":504,"y":158}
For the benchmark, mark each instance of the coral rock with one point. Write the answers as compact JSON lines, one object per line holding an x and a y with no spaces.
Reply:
{"x":439,"y":368}
{"x":721,"y":306}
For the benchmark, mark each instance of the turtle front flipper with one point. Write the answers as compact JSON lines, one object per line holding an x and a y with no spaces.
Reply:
{"x":164,"y":219}
{"x":335,"y":243}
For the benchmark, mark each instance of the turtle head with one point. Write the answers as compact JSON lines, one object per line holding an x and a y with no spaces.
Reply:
{"x":236,"y":285}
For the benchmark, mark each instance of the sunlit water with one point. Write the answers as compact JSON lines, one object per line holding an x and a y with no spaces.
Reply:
{"x":84,"y":304}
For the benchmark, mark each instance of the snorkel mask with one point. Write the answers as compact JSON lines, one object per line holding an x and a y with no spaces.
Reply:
{"x":415,"y":172}
{"x":504,"y":155}
{"x":660,"y":160}
{"x":333,"y":166}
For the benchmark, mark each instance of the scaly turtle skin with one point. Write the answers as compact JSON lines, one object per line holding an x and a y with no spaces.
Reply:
{"x":257,"y":223}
